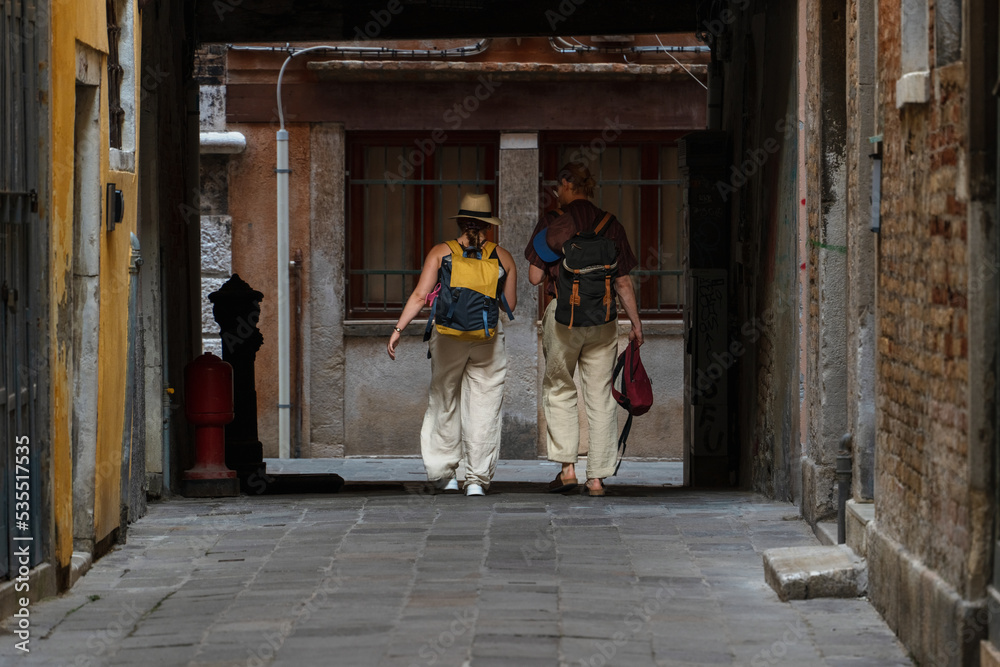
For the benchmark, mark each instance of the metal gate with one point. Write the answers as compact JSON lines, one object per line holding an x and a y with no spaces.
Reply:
{"x":21,"y":229}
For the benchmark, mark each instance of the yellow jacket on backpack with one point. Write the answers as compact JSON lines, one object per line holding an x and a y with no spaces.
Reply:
{"x":469,"y":295}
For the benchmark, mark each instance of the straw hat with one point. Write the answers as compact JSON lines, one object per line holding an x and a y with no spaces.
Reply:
{"x":477,"y":207}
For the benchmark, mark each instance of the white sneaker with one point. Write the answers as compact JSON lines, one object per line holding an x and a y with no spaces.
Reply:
{"x":474,"y":490}
{"x":450,"y":485}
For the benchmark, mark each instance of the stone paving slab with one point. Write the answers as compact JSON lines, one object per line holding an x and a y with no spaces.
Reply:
{"x":395,"y":575}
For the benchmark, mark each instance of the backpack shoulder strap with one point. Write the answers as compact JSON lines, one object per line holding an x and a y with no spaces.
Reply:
{"x":489,"y":248}
{"x":602,"y":224}
{"x":456,"y":249}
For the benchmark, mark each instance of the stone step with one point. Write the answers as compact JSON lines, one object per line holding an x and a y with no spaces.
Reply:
{"x":801,"y":573}
{"x":826,"y":533}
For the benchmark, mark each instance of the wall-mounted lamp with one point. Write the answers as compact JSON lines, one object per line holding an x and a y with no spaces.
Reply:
{"x":876,"y":157}
{"x":114,"y":207}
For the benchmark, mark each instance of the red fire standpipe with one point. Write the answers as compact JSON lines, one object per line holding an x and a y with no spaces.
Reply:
{"x":208,"y":383}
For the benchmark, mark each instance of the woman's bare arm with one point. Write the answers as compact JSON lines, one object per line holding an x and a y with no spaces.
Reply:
{"x":428,"y":278}
{"x":510,"y":286}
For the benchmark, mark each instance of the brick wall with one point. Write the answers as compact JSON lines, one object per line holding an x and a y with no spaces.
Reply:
{"x":210,"y":65}
{"x":922,"y":455}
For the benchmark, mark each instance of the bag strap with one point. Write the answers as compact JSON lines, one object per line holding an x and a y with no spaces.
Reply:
{"x":622,"y":397}
{"x":506,"y":306}
{"x":432,"y":298}
{"x":455,"y":247}
{"x":622,"y":442}
{"x":619,"y":395}
{"x":602,"y":224}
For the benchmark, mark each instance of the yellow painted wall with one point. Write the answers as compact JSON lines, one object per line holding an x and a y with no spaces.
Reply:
{"x":113,"y":353}
{"x":84,"y":21}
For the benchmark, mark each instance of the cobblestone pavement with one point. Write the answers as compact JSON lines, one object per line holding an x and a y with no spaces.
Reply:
{"x":387,"y":574}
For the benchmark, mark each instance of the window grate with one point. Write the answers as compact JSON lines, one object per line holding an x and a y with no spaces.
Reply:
{"x":399,"y":210}
{"x":640,"y":183}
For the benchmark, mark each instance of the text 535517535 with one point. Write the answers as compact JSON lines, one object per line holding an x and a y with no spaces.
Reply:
{"x":23,"y":539}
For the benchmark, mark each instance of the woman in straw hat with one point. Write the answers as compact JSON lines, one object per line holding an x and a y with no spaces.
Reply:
{"x":467,"y":376}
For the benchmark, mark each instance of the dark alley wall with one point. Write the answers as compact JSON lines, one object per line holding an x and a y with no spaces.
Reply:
{"x":760,"y":115}
{"x":170,"y":219}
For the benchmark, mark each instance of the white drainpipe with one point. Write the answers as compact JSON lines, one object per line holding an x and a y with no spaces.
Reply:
{"x":284,"y":352}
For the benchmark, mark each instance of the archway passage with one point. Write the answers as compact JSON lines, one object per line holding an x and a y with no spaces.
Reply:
{"x":752,"y":208}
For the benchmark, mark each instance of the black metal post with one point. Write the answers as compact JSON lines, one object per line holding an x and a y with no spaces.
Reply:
{"x":843,"y":486}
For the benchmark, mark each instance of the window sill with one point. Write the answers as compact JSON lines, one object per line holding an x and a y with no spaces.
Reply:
{"x":381,"y":328}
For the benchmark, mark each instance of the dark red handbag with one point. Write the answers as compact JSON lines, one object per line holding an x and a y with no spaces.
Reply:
{"x":636,"y":394}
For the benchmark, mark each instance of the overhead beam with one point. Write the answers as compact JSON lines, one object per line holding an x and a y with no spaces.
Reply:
{"x":241,"y":21}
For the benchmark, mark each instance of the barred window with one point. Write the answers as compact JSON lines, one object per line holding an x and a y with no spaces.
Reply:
{"x":402,"y":189}
{"x":639,"y":182}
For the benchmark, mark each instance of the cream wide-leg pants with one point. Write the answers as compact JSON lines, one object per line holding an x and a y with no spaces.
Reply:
{"x":464,"y":408}
{"x":594,"y":350}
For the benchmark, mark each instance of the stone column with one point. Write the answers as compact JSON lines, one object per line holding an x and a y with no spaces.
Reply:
{"x":323,"y":323}
{"x":861,"y":337}
{"x":518,"y":208}
{"x":826,"y":388}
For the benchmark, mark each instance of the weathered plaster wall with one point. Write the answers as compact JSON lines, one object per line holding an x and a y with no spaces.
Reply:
{"x":826,"y":390}
{"x":115,"y":284}
{"x":84,"y":22}
{"x":385,"y":407}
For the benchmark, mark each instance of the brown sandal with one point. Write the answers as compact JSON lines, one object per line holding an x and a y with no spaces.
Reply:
{"x":559,"y":484}
{"x":592,"y":491}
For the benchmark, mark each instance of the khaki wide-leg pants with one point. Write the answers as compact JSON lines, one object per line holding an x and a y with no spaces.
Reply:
{"x":594,"y":350}
{"x":464,"y":408}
